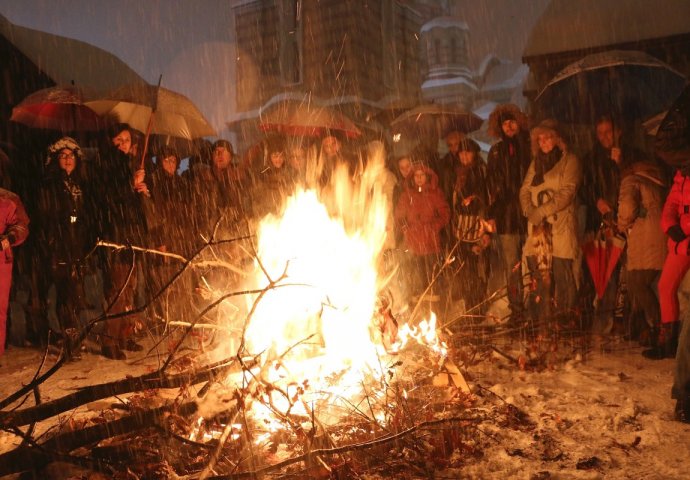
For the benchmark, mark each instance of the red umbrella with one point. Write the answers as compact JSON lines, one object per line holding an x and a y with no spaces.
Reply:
{"x":58,"y":108}
{"x":602,"y":254}
{"x":306,"y":119}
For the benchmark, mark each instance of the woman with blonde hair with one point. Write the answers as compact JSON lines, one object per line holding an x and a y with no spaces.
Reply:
{"x":548,"y":200}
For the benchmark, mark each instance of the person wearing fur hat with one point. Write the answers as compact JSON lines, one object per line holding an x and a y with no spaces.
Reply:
{"x":67,"y":226}
{"x":508,"y":161}
{"x":548,"y":201}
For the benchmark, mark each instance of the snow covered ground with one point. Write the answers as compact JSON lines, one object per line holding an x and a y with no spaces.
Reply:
{"x":607,"y":417}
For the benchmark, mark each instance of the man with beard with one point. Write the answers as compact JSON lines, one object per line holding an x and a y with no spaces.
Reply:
{"x":508,"y":161}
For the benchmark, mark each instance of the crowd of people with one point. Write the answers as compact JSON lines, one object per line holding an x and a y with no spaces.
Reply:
{"x":523,"y":214}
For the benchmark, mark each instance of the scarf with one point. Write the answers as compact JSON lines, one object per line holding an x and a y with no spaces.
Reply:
{"x":544,"y":162}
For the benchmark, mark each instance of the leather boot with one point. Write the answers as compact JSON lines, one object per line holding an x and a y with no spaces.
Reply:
{"x":666,"y":344}
{"x":682,"y":410}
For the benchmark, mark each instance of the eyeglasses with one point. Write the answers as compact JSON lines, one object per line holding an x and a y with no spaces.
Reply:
{"x":65,"y":156}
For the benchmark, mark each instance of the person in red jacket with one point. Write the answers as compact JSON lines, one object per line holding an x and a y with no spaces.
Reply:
{"x":421,"y":213}
{"x":675,"y":221}
{"x":14,"y":228}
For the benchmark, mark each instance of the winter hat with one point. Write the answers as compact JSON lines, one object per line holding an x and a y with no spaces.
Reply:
{"x":547,"y":126}
{"x":64,"y":143}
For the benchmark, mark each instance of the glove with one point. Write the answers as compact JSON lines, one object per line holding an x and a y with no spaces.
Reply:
{"x":676,"y":234}
{"x":535,"y":217}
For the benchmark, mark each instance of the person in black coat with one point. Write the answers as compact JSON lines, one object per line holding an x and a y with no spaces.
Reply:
{"x":123,"y":192}
{"x":470,"y":198}
{"x":508,"y":161}
{"x":67,"y":234}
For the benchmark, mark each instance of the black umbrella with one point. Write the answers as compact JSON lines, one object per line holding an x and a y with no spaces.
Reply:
{"x":625,"y":83}
{"x":672,"y":141}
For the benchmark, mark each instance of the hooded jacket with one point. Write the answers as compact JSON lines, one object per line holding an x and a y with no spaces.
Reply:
{"x":14,"y":224}
{"x":422,"y":213}
{"x":639,"y":213}
{"x":676,"y":211}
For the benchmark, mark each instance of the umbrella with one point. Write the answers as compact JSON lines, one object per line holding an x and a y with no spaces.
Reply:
{"x":625,"y":83}
{"x":306,"y":119}
{"x":57,"y":108}
{"x":602,"y":254}
{"x":672,"y":140}
{"x":167,"y":112}
{"x":436,"y":119}
{"x":62,"y":60}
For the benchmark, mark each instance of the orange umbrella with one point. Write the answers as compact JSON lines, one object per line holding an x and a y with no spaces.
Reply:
{"x":305,"y":119}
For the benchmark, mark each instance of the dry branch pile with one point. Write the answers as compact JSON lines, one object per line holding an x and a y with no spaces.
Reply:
{"x":189,"y":420}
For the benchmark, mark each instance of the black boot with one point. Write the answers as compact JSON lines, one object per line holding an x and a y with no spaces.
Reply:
{"x":682,"y":410}
{"x":666,"y":344}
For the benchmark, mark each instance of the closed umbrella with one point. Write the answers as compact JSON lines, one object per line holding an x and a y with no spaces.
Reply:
{"x":602,"y":254}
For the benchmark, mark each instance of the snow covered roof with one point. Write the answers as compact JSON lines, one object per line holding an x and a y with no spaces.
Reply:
{"x":574,"y":25}
{"x":444,"y":22}
{"x":443,"y":82}
{"x":505,"y":75}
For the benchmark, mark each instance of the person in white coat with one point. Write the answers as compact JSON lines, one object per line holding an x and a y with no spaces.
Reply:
{"x":548,"y":200}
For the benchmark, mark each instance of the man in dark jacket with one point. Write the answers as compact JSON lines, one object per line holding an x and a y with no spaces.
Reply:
{"x":602,"y":169}
{"x":508,"y":161}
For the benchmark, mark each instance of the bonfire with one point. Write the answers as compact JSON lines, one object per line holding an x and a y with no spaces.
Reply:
{"x":318,"y":358}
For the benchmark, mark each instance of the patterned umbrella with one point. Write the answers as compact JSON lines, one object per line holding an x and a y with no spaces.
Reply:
{"x":58,"y":108}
